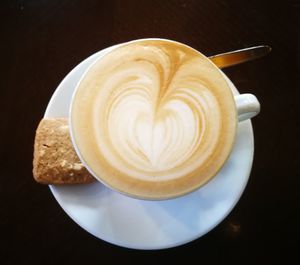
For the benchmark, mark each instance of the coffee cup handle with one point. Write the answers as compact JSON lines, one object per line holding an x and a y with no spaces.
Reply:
{"x":247,"y":106}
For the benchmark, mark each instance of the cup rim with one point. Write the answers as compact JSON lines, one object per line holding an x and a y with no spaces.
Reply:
{"x":98,"y":178}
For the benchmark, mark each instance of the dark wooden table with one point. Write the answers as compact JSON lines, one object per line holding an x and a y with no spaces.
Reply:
{"x":41,"y":41}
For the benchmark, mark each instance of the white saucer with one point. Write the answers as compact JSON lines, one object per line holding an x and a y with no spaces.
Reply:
{"x":140,"y":224}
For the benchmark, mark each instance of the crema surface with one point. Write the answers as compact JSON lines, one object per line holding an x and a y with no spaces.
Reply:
{"x":153,"y":119}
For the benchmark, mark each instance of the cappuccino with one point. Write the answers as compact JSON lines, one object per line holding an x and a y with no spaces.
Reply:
{"x":153,"y":119}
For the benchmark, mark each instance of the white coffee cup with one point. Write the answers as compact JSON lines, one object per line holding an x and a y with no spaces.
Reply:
{"x":246,"y":106}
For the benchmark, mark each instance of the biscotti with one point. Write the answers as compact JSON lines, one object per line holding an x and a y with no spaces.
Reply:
{"x":55,"y":160}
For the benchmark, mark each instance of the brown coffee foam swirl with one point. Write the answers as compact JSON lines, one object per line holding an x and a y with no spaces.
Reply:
{"x":152,"y":115}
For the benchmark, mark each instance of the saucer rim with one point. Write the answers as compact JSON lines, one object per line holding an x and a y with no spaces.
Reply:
{"x":247,"y":169}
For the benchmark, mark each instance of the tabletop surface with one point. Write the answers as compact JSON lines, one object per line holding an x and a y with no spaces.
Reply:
{"x":41,"y":41}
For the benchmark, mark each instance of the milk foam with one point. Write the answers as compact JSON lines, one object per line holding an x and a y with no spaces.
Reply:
{"x":151,"y":112}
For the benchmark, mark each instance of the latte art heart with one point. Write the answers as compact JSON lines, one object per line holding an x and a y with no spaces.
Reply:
{"x":151,"y":134}
{"x":150,"y":112}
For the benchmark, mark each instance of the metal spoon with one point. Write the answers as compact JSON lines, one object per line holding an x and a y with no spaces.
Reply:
{"x":240,"y":56}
